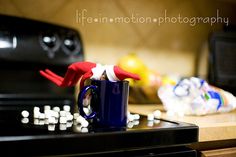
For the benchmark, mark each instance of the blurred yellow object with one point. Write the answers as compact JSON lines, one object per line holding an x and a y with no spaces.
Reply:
{"x":132,"y":64}
{"x":144,"y":90}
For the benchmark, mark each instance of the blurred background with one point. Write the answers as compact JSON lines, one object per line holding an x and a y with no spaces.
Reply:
{"x":171,"y":48}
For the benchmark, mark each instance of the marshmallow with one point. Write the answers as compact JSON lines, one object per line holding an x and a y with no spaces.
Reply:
{"x":47,"y":107}
{"x":63,"y":120}
{"x":66,"y":108}
{"x":69,"y":117}
{"x":25,"y":114}
{"x":51,"y":120}
{"x":41,"y":116}
{"x":136,"y":116}
{"x":63,"y":113}
{"x":157,"y":114}
{"x":56,"y":109}
{"x":36,"y":112}
{"x":150,"y":117}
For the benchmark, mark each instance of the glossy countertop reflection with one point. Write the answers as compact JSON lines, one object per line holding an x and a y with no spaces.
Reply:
{"x":212,"y":127}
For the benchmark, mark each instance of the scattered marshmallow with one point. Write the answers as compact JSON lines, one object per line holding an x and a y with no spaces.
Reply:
{"x":47,"y":107}
{"x":62,"y":120}
{"x":157,"y":114}
{"x":130,"y":117}
{"x":136,"y":116}
{"x":69,"y":117}
{"x":56,"y":109}
{"x":41,"y":116}
{"x":36,"y":112}
{"x":63,"y":113}
{"x":51,"y":120}
{"x":36,"y":109}
{"x":66,"y":108}
{"x":150,"y":117}
{"x":25,"y":114}
{"x":136,"y":122}
{"x":69,"y":124}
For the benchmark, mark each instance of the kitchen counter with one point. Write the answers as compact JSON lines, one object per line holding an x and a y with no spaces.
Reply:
{"x":215,"y":127}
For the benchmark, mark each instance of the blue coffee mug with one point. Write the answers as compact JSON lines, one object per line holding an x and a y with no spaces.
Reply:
{"x":108,"y":103}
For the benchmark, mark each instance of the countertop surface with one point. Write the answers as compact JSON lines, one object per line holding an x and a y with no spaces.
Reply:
{"x":211,"y":127}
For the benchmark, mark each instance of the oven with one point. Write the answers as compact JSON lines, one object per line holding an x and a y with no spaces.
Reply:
{"x":27,"y":46}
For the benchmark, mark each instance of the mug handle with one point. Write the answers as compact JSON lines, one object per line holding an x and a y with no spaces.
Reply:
{"x":80,"y":101}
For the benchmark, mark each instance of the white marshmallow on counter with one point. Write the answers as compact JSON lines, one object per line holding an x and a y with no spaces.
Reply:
{"x":36,"y":109}
{"x":130,"y":117}
{"x":150,"y":117}
{"x":56,"y":109}
{"x":63,"y":113}
{"x":69,"y":117}
{"x":47,"y":107}
{"x":36,"y":112}
{"x":136,"y":116}
{"x":63,"y":120}
{"x":136,"y":122}
{"x":51,"y":120}
{"x":48,"y":113}
{"x":41,"y":116}
{"x":55,"y":114}
{"x":25,"y":114}
{"x":69,"y":124}
{"x":157,"y":114}
{"x":66,"y":108}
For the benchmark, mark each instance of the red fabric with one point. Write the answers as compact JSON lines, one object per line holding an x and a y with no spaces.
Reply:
{"x":122,"y":74}
{"x":74,"y":72}
{"x":82,"y":69}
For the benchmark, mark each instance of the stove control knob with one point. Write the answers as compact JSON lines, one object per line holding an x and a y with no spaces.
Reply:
{"x":50,"y":42}
{"x":71,"y":44}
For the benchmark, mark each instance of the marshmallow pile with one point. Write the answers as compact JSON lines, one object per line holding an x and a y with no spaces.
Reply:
{"x":53,"y":116}
{"x":65,"y":119}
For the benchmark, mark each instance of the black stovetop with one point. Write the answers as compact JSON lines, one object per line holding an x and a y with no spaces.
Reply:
{"x":27,"y":138}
